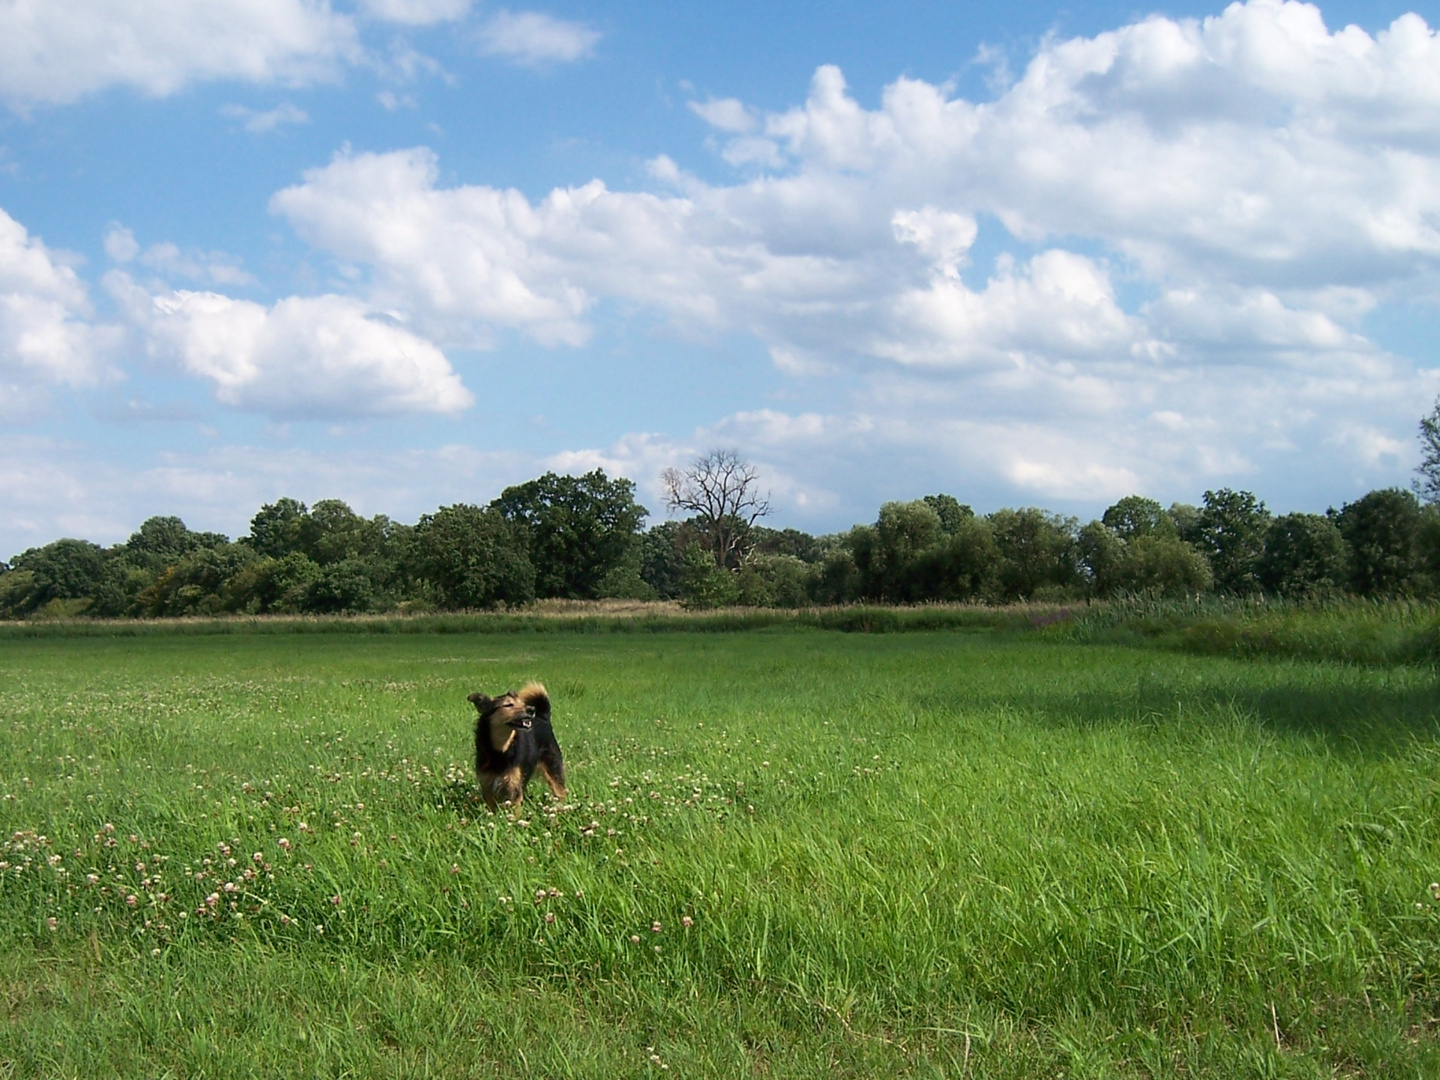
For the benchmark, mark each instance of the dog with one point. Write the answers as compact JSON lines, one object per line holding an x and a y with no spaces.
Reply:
{"x":513,"y":738}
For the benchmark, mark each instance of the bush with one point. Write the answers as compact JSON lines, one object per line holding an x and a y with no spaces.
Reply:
{"x":706,"y":585}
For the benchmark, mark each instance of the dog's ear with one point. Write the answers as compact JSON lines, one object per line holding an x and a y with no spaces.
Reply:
{"x":481,"y":702}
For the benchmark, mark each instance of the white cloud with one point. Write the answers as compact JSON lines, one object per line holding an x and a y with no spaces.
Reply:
{"x":1201,"y":215}
{"x":170,"y":261}
{"x":53,"y":488}
{"x":212,"y":267}
{"x":305,"y":357}
{"x":533,"y":39}
{"x":726,"y":114}
{"x":416,"y":12}
{"x":259,"y":123}
{"x":120,"y":244}
{"x":58,"y":52}
{"x":47,"y":335}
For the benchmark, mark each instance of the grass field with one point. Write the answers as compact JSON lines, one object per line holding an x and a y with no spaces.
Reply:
{"x":790,"y":852}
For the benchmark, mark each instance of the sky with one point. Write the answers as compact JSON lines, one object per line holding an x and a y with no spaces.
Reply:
{"x":406,"y":253}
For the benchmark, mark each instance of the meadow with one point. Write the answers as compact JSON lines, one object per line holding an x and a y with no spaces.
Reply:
{"x":788,"y":851}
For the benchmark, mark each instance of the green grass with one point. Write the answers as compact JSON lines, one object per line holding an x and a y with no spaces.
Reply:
{"x":1373,"y":632}
{"x":938,"y":853}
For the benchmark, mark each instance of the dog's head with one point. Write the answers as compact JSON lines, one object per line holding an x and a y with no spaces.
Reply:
{"x":503,"y":716}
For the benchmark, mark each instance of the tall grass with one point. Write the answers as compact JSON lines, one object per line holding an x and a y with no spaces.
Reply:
{"x":789,"y":853}
{"x":563,"y":618}
{"x":1351,"y":630}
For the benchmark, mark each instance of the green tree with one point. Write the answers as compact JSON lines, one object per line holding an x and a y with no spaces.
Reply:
{"x":1187,"y":522}
{"x":1145,"y":559}
{"x":1159,"y":565}
{"x":472,"y":558}
{"x":1427,"y":481}
{"x":68,"y":573}
{"x":1101,"y":551}
{"x":1230,"y":532}
{"x":578,"y":529}
{"x":279,"y":528}
{"x":1305,"y":555}
{"x":902,"y":533}
{"x":1038,"y":551}
{"x":705,"y":583}
{"x":781,"y":581}
{"x":1135,"y":516}
{"x":792,"y":542}
{"x":164,"y":541}
{"x":662,"y":557}
{"x":962,"y":566}
{"x":195,"y":584}
{"x":1382,"y":530}
{"x":837,"y":579}
{"x":950,"y":510}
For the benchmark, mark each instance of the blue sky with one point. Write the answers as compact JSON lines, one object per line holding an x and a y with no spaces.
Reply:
{"x":407,"y":252}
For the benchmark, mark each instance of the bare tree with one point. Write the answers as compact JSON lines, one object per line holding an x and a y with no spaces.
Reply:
{"x":719,"y":489}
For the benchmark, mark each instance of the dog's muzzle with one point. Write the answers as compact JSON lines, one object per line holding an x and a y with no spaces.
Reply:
{"x":522,"y":723}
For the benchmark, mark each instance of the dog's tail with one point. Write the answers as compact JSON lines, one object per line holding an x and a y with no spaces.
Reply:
{"x":534,"y":695}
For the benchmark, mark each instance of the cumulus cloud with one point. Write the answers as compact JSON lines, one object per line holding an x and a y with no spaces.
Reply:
{"x":533,"y":39}
{"x":47,"y":333}
{"x":1193,"y":218}
{"x":56,"y":53}
{"x":303,"y":357}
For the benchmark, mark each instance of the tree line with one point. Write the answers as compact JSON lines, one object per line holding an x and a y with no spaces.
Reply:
{"x":583,"y":537}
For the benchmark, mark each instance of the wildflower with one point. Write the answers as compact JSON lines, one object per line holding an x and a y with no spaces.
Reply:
{"x":655,"y":927}
{"x":132,"y":901}
{"x":109,"y":829}
{"x":687,"y":922}
{"x":52,"y":922}
{"x":154,"y":952}
{"x":257,"y":858}
{"x":92,"y":879}
{"x":634,"y":939}
{"x":285,"y":920}
{"x":549,"y":917}
{"x":540,"y":895}
{"x":283,"y":844}
{"x":454,"y":868}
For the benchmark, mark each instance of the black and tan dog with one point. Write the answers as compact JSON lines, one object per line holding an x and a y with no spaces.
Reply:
{"x":513,"y":738}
